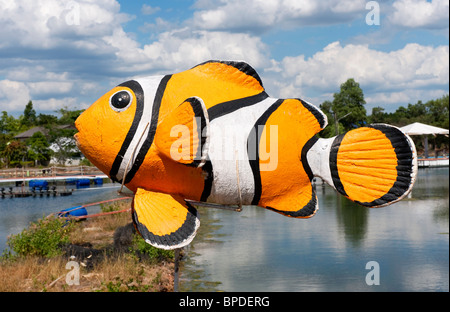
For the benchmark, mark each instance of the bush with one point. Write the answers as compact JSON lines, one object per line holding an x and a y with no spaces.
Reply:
{"x":153,"y":253}
{"x":44,"y":237}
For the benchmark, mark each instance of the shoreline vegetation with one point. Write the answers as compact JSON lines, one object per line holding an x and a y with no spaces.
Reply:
{"x":101,"y":254}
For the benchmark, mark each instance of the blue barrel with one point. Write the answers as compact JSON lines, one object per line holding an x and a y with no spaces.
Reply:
{"x":71,"y":181}
{"x":77,"y":211}
{"x":83,"y":182}
{"x":98,"y":181}
{"x":38,"y":183}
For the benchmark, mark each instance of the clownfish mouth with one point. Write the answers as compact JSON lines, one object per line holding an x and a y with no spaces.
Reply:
{"x":77,"y":135}
{"x":77,"y":142}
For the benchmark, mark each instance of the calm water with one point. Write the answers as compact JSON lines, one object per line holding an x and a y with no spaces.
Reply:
{"x":17,"y":213}
{"x":259,"y":250}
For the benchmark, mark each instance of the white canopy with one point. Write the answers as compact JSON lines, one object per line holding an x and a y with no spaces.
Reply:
{"x":418,"y":128}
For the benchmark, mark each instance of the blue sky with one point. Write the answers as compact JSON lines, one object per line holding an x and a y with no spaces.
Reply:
{"x":68,"y":53}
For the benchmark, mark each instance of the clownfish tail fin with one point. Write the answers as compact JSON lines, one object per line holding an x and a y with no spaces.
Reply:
{"x":374,"y":166}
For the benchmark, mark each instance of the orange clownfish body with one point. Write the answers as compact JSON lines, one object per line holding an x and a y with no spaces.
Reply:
{"x":211,"y":134}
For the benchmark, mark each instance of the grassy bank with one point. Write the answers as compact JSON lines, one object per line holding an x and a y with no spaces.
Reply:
{"x":99,"y":254}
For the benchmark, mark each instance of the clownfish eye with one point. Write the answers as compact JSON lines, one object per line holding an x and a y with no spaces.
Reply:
{"x":120,"y":100}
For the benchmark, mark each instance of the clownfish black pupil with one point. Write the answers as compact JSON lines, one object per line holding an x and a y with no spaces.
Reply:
{"x":121,"y":100}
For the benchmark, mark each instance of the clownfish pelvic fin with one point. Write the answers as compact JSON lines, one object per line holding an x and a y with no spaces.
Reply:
{"x":374,"y":166}
{"x":164,"y":221}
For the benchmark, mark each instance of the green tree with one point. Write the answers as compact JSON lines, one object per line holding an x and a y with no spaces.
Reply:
{"x":348,"y":106}
{"x":38,"y":148}
{"x":29,"y":116}
{"x":68,"y":117}
{"x":64,"y":143}
{"x":329,"y":130}
{"x":8,"y":124}
{"x":439,"y":111}
{"x":46,"y":120}
{"x":378,"y":115}
{"x":346,"y":111}
{"x":14,"y":152}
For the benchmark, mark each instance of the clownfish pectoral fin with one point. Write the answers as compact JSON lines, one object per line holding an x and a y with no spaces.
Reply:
{"x":374,"y":166}
{"x":164,"y":221}
{"x":183,"y":135}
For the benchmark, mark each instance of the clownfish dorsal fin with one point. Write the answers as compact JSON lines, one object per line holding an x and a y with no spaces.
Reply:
{"x":164,"y":221}
{"x":236,"y":71}
{"x":183,"y":135}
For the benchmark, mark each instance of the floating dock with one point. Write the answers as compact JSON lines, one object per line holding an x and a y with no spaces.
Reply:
{"x":433,"y":162}
{"x":11,"y":192}
{"x":39,"y":187}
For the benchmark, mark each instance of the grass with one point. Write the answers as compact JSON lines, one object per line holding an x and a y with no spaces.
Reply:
{"x":37,"y":258}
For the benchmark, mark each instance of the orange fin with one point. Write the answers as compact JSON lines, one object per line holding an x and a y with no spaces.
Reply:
{"x":237,"y":72}
{"x":164,"y":221}
{"x":183,"y":135}
{"x":374,"y":166}
{"x":298,"y":204}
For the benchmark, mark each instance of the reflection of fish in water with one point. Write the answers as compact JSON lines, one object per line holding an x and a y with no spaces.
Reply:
{"x":212,"y":134}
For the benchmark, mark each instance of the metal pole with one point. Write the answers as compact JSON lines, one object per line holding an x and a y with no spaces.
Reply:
{"x":176,"y":269}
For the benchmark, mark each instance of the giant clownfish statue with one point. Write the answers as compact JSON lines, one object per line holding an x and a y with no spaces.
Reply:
{"x":211,"y":135}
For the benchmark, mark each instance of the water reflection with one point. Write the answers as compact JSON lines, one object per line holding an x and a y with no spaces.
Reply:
{"x":259,"y":250}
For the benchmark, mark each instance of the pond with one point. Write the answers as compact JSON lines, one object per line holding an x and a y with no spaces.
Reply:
{"x":344,"y":247}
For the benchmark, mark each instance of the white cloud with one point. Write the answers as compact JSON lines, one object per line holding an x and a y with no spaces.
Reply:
{"x":407,"y":96}
{"x":149,"y":10}
{"x":59,"y":53}
{"x":421,"y":13}
{"x":48,"y":47}
{"x":414,"y":66}
{"x":181,"y":49}
{"x":50,"y":87}
{"x":14,"y":95}
{"x":46,"y":24}
{"x":259,"y":15}
{"x":404,"y":76}
{"x":53,"y":104}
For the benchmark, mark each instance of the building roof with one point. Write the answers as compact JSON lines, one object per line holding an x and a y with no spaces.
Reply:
{"x":418,"y":128}
{"x":29,"y":133}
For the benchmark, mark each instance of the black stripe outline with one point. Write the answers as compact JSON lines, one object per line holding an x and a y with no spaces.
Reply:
{"x":198,"y":112}
{"x":241,"y":66}
{"x":209,"y":178}
{"x":152,"y":129}
{"x":404,"y":154}
{"x":316,"y":113}
{"x":173,"y":239}
{"x":404,"y":167}
{"x":304,"y":159}
{"x":219,"y":110}
{"x":228,"y":107}
{"x":139,"y":94}
{"x":305,"y":212}
{"x":333,"y":164}
{"x":254,"y":159}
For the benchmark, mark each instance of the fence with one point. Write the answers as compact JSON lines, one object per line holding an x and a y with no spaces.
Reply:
{"x":48,"y":172}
